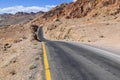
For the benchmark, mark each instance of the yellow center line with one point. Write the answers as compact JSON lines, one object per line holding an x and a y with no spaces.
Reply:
{"x":46,"y":64}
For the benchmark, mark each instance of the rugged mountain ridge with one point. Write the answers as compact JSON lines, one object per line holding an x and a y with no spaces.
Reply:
{"x":17,"y":18}
{"x":79,"y":9}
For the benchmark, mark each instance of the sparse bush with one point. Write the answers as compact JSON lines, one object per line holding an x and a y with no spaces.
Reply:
{"x":36,"y":58}
{"x":32,"y":66}
{"x":35,"y":47}
{"x":35,"y":43}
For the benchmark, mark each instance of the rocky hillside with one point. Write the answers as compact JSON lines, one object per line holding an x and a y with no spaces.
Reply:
{"x":81,"y":8}
{"x":88,"y":21}
{"x":18,"y":18}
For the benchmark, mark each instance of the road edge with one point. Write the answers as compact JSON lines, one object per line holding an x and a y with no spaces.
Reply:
{"x":46,"y":63}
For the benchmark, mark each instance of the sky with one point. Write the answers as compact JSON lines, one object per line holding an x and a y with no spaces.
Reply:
{"x":13,"y":6}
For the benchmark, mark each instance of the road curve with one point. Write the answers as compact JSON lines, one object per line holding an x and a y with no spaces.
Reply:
{"x":73,"y":61}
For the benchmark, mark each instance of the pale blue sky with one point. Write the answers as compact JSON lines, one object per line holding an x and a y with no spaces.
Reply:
{"x":8,"y":3}
{"x":13,"y":6}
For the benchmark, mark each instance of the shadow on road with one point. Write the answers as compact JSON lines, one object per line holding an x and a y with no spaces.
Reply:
{"x":40,"y":35}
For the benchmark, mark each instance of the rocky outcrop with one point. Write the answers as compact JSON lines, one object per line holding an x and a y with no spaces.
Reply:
{"x":79,"y":9}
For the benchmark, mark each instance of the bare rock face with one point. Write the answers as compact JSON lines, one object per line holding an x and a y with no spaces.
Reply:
{"x":79,"y":9}
{"x":34,"y":29}
{"x":56,"y":12}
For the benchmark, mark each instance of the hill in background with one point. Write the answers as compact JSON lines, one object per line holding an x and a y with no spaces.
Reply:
{"x":81,"y":8}
{"x":18,"y":18}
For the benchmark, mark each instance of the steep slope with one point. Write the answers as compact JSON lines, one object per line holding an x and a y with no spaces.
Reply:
{"x":79,"y":9}
{"x":88,"y":21}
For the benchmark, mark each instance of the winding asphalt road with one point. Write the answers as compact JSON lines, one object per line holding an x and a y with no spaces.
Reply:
{"x":76,"y":61}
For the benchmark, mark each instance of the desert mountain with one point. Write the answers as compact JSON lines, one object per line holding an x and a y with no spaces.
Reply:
{"x":18,"y":18}
{"x":81,"y":8}
{"x":89,"y":21}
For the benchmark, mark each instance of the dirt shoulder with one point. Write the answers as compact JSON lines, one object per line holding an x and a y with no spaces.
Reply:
{"x":20,"y":54}
{"x":100,"y":31}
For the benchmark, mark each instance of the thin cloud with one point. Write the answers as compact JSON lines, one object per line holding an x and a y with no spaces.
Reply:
{"x":74,"y":0}
{"x":15,"y":9}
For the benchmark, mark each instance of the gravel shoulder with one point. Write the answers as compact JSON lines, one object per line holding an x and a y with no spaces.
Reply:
{"x":21,"y":61}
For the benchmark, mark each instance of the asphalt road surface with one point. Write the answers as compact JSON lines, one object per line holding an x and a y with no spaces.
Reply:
{"x":76,"y":61}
